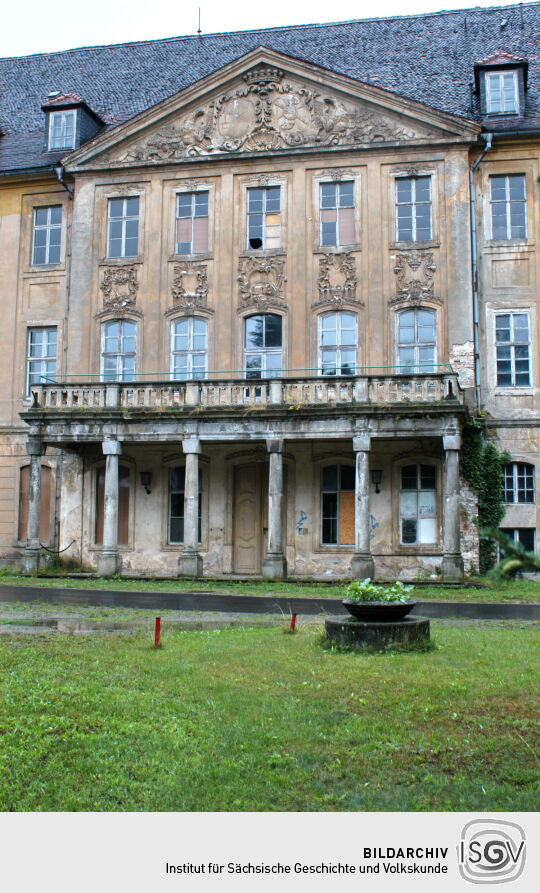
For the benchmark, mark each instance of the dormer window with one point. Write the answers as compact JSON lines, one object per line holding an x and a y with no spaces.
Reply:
{"x":501,"y":93}
{"x":62,"y":129}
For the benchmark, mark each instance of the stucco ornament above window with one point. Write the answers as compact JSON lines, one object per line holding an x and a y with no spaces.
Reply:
{"x":261,"y":282}
{"x":415,"y":273}
{"x":337,"y":281}
{"x":269,"y":112}
{"x":119,"y":287}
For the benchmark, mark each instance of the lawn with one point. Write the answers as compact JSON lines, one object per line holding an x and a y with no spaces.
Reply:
{"x":255,"y":719}
{"x":523,"y":590}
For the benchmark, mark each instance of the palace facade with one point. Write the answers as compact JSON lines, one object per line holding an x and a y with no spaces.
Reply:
{"x":254,"y":285}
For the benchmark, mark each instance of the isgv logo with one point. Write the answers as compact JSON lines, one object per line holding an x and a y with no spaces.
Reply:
{"x":491,"y":851}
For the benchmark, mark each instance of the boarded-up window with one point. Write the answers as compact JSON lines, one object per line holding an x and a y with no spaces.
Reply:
{"x":45,"y":533}
{"x":123,"y":505}
{"x":337,"y":515}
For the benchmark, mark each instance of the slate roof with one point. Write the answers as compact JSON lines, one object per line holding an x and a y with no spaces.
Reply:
{"x":427,"y":57}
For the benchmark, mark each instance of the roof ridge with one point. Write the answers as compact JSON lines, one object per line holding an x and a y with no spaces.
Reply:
{"x":310,"y":25}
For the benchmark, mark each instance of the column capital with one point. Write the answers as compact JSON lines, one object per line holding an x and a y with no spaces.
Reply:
{"x":452,"y":441}
{"x":361,"y":443}
{"x":111,"y":448}
{"x":191,"y":445}
{"x":274,"y":445}
{"x":34,"y":446}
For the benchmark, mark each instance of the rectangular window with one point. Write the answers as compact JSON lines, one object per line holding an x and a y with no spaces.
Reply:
{"x":518,"y":482}
{"x":191,"y":222}
{"x":413,"y":209}
{"x":418,"y":504}
{"x":416,"y":341}
{"x":41,"y":358}
{"x":337,"y":505}
{"x":337,"y":214}
{"x":262,"y":345}
{"x":264,"y":218}
{"x":337,"y":340}
{"x":118,"y":350}
{"x":123,"y":505}
{"x":123,"y":227}
{"x":189,"y":348}
{"x":508,"y":207}
{"x":62,"y":130}
{"x":501,"y":93}
{"x":526,"y":536}
{"x":177,"y":480}
{"x":513,"y":350}
{"x":47,"y":235}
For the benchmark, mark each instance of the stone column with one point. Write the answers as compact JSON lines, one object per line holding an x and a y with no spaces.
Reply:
{"x":190,"y":562}
{"x":109,"y":561}
{"x":32,"y":552}
{"x":452,"y":563}
{"x":274,"y":565}
{"x":362,"y":561}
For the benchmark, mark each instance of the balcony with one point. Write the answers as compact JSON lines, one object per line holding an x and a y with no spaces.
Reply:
{"x":373,"y":387}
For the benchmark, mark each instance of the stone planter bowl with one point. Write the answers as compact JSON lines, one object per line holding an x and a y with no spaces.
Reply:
{"x":378,"y":612}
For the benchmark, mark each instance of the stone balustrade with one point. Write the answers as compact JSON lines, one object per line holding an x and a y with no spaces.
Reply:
{"x":213,"y":393}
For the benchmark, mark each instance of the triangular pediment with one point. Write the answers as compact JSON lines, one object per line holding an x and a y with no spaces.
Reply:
{"x":267,"y":102}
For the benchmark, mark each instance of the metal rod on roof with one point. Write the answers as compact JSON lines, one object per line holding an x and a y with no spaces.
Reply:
{"x":199,"y":28}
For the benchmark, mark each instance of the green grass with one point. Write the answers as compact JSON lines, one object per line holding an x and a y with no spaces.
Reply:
{"x":253,"y":719}
{"x":482,"y":591}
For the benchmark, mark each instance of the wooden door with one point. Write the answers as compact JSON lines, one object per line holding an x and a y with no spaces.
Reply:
{"x":248,"y":507}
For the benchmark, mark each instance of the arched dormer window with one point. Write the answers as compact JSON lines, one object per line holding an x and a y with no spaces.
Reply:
{"x":337,"y":343}
{"x":118,"y":350}
{"x":416,"y":341}
{"x":263,"y":339}
{"x":189,"y":348}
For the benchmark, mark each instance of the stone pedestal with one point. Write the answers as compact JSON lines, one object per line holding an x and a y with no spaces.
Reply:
{"x":344,"y":630}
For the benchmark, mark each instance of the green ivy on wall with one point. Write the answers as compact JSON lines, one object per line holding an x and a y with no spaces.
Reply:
{"x":481,"y":466}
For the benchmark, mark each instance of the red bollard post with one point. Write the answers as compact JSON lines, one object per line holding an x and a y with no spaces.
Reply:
{"x":157,"y":632}
{"x":293,"y":624}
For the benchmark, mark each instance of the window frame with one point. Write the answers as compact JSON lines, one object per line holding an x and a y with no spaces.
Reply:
{"x":63,"y":114}
{"x":513,"y":471}
{"x":48,"y":227}
{"x":508,"y":202}
{"x":417,"y":546}
{"x":413,"y":178}
{"x":43,"y":358}
{"x":119,"y":378}
{"x":338,"y":347}
{"x":513,"y":534}
{"x":263,"y":351}
{"x":190,"y":352}
{"x":125,"y":467}
{"x":512,"y":344}
{"x":170,"y":543}
{"x":124,"y":219}
{"x":417,"y":345}
{"x":500,"y":74}
{"x":337,"y":184}
{"x":325,"y":545}
{"x":203,"y":190}
{"x":264,"y":213}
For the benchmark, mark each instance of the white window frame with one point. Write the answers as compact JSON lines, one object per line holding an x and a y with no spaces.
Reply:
{"x":490,"y":77}
{"x":199,"y":372}
{"x":121,"y":355}
{"x":192,"y":193}
{"x":264,"y":352}
{"x":420,"y":515}
{"x":508,"y":202}
{"x":512,"y":344}
{"x":63,"y":141}
{"x":514,"y":472}
{"x":44,"y":359}
{"x":249,"y":214}
{"x":339,"y":347}
{"x":414,"y":205}
{"x":48,"y":228}
{"x":124,"y":220}
{"x":339,"y":242}
{"x":417,"y":367}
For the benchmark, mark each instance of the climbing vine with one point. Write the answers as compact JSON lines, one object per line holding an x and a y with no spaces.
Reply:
{"x":481,"y":466}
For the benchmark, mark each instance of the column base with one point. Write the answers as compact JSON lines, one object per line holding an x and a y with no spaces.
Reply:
{"x":274,"y":567}
{"x":452,"y":568}
{"x":108,"y":564}
{"x":190,"y":564}
{"x":31,"y":561}
{"x":362,"y":566}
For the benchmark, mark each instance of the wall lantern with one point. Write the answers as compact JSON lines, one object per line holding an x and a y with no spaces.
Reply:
{"x":376,"y":477}
{"x":146,"y":480}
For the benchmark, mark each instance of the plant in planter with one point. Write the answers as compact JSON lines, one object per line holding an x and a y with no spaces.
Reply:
{"x":369,"y":602}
